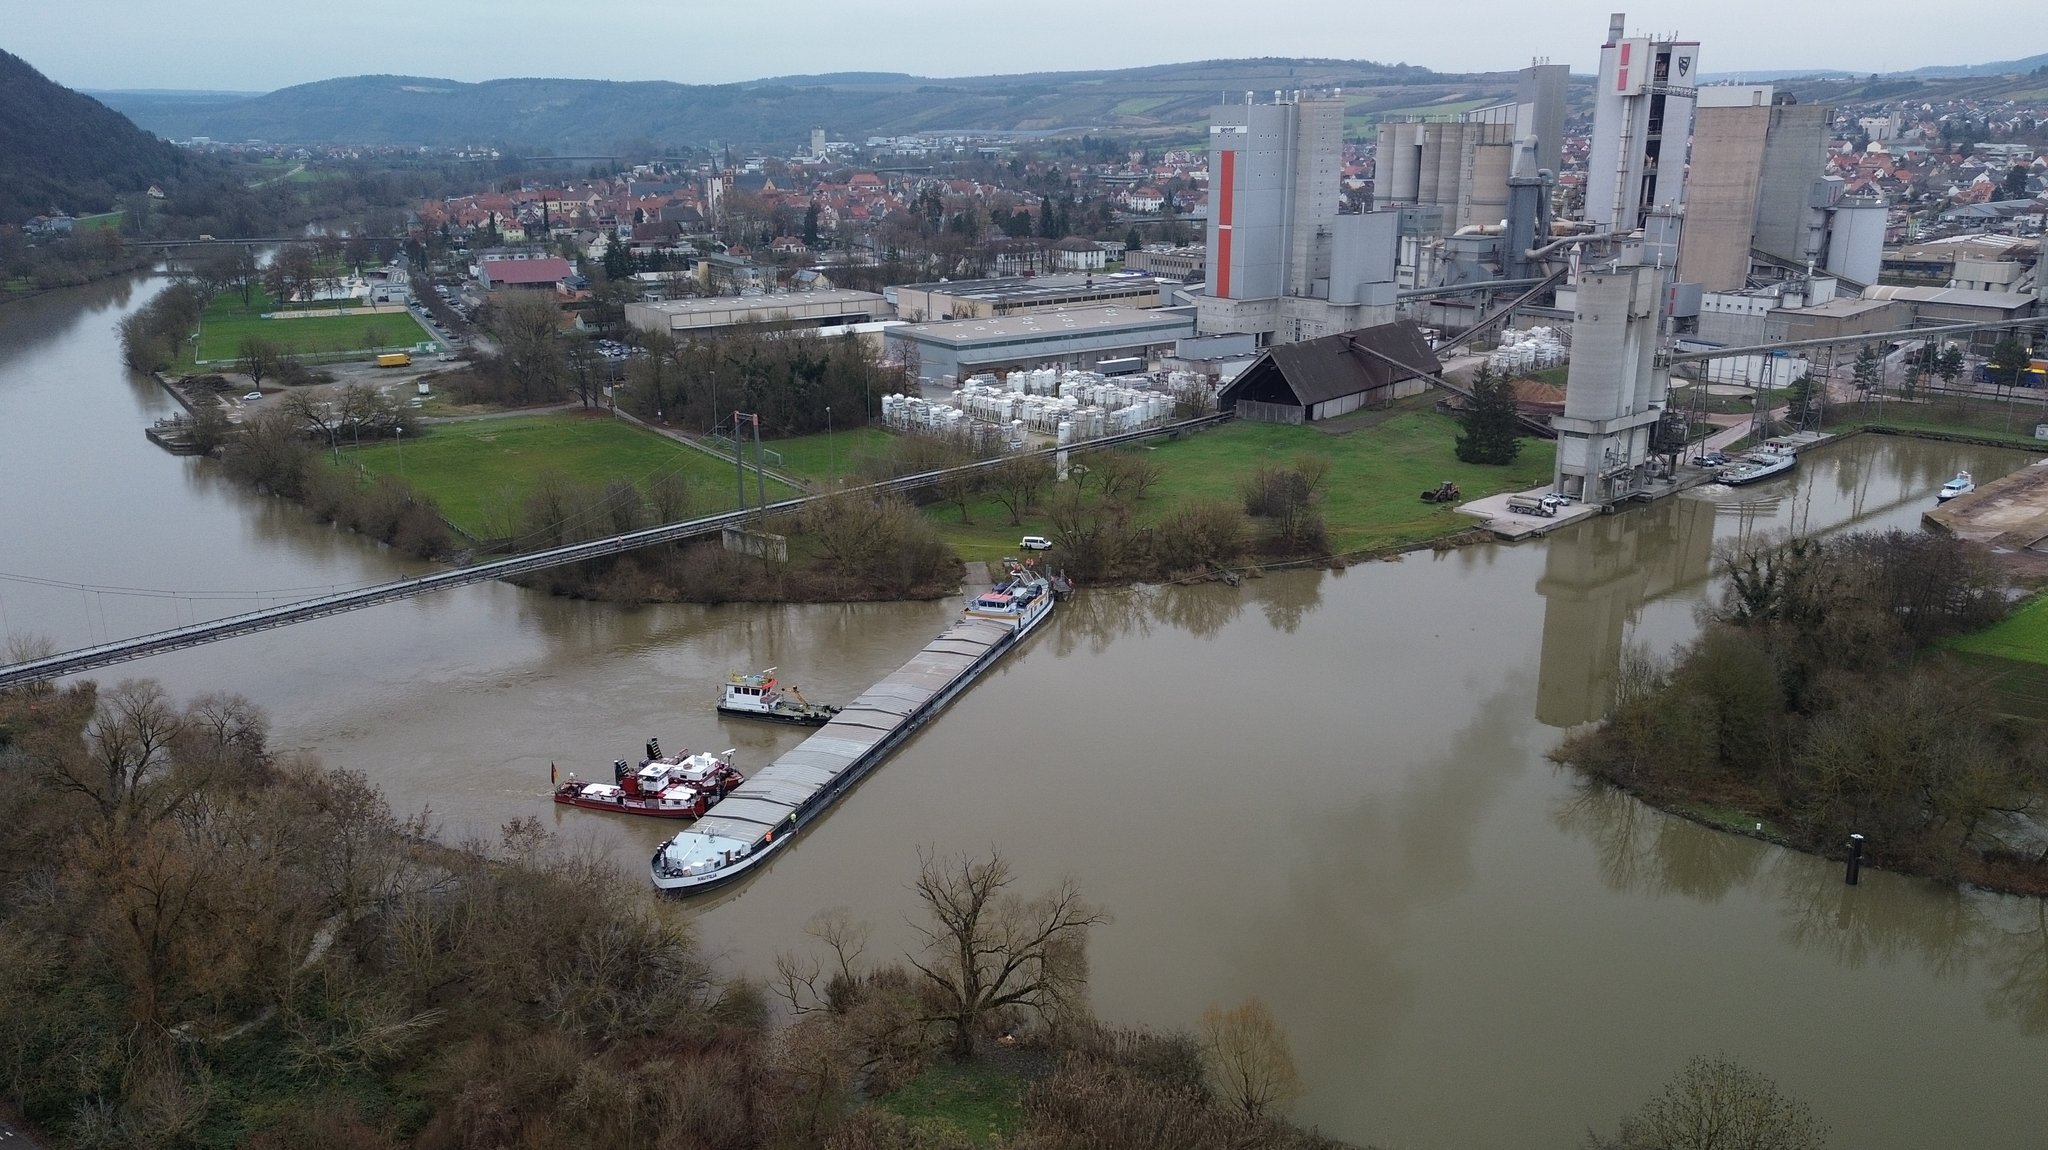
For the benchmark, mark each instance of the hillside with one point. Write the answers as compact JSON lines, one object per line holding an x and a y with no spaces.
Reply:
{"x":1996,"y":68}
{"x":585,"y":115}
{"x":60,"y":149}
{"x":1981,"y":86}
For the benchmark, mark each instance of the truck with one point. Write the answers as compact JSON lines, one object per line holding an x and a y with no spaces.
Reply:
{"x":1540,"y":505}
{"x":395,"y":359}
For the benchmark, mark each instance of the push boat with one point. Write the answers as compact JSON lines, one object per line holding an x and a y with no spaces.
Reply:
{"x":681,"y":786}
{"x":1756,"y":467}
{"x":759,"y":696}
{"x":770,"y":808}
{"x":1962,"y":484}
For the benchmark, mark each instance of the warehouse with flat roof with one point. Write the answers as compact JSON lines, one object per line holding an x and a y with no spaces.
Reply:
{"x":703,"y":316}
{"x":1016,"y":295}
{"x":1078,"y":338}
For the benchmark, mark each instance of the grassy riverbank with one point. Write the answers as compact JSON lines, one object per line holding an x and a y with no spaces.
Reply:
{"x":481,"y":471}
{"x":2022,"y":636}
{"x":1378,"y":470}
{"x":2000,"y":422}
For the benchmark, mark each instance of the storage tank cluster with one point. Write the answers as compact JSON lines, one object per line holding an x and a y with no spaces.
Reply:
{"x":1526,"y":351}
{"x":1089,"y":403}
{"x":911,"y":413}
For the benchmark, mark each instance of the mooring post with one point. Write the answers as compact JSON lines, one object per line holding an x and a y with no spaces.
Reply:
{"x":1855,"y":859}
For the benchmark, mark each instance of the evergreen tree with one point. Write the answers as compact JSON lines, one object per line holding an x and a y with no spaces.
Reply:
{"x":1799,"y":399}
{"x":618,"y":260}
{"x":1132,"y":242}
{"x":1949,"y":364}
{"x":1490,"y":425}
{"x":1868,"y":369}
{"x":2008,"y":360}
{"x":811,"y":225}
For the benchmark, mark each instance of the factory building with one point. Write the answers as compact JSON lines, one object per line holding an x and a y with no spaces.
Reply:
{"x":1642,"y":120}
{"x":1614,"y":394}
{"x":1282,"y":263}
{"x":1019,"y":295}
{"x":1756,"y":156}
{"x":795,"y":309}
{"x":1324,"y":378}
{"x":1461,"y":164}
{"x":1078,"y":338}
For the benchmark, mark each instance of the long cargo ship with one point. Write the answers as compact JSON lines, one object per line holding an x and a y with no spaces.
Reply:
{"x":768,"y":810}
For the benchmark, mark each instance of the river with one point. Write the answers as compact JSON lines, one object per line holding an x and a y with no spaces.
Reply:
{"x":1324,"y":788}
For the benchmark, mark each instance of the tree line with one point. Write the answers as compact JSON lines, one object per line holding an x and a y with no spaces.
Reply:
{"x":207,"y":942}
{"x":1817,"y":698}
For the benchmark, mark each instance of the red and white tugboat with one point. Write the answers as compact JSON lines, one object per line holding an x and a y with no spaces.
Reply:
{"x":676,"y":787}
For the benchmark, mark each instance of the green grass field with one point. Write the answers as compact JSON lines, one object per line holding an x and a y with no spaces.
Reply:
{"x":480,"y":469}
{"x":822,"y":458}
{"x":228,"y":322}
{"x":105,"y":221}
{"x":2022,"y":637}
{"x":979,"y":1101}
{"x":1371,"y":498}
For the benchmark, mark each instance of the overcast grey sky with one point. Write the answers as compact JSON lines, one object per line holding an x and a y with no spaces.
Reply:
{"x":254,"y":45}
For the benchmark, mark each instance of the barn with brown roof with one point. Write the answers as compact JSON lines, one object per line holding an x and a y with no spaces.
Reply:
{"x":1324,"y":378}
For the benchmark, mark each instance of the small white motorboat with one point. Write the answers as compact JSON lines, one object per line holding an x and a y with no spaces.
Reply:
{"x":1962,"y":484}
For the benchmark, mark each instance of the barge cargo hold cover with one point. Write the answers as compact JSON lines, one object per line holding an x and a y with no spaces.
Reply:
{"x":777,"y":801}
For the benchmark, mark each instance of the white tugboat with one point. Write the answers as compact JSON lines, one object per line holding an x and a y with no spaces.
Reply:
{"x":767,"y":810}
{"x":1756,"y":467}
{"x":757,"y":695}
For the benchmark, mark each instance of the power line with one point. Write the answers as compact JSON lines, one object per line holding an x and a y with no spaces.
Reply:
{"x":161,"y":593}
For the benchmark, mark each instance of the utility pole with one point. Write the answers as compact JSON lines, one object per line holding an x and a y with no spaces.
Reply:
{"x":739,"y":461}
{"x":760,"y":472}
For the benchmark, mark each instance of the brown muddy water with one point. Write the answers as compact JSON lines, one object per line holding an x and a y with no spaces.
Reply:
{"x":1327,"y":789}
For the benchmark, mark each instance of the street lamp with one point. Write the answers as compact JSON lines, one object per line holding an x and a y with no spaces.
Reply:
{"x":831,"y":461}
{"x":400,"y":433}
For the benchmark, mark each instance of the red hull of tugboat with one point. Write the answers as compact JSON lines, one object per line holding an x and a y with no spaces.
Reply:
{"x":632,"y":805}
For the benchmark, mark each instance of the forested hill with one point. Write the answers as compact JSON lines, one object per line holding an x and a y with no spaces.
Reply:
{"x":60,"y":149}
{"x":580,"y":115}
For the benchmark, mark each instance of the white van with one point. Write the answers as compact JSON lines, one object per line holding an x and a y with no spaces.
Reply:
{"x":1035,"y":543}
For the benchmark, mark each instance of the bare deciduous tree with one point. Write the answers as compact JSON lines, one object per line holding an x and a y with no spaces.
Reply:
{"x":988,"y":948}
{"x":1718,"y":1104}
{"x":1017,"y":482}
{"x":256,"y":358}
{"x":1247,"y":1058}
{"x":125,"y":769}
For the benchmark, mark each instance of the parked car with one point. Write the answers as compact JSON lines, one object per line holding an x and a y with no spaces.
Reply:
{"x":1035,"y":543}
{"x":254,"y":395}
{"x":1710,"y":459}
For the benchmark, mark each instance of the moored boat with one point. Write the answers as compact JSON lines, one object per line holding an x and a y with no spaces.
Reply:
{"x":1756,"y":467}
{"x":1962,"y":484}
{"x":757,"y":695}
{"x":681,"y":786}
{"x":768,"y":810}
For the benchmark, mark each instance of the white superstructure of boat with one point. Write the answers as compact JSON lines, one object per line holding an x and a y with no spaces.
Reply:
{"x":1962,"y":484}
{"x":1756,"y":467}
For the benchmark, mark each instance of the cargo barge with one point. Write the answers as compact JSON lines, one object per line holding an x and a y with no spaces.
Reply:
{"x":768,"y":810}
